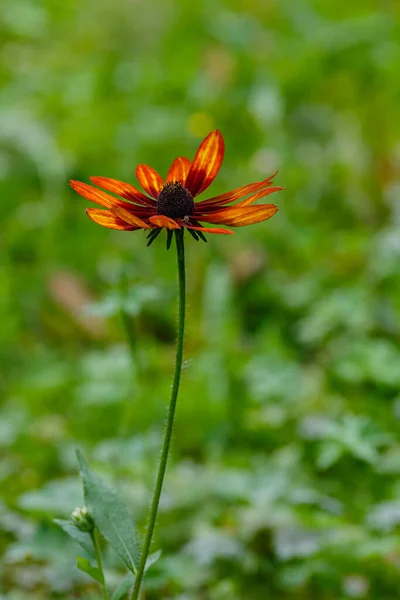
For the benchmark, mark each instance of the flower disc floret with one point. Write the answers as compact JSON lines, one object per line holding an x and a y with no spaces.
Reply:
{"x":175,"y":201}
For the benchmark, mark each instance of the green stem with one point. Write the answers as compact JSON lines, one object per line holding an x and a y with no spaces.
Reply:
{"x":96,"y":546}
{"x":180,"y":251}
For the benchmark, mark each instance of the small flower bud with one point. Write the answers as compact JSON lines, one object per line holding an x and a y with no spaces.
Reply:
{"x":83,"y":519}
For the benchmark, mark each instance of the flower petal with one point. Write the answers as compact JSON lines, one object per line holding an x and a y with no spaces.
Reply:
{"x":91,"y":193}
{"x":238,"y":217}
{"x":125,"y":190}
{"x":150,"y":180}
{"x":259,"y":195}
{"x":128,"y":217}
{"x":163,"y":221}
{"x":107,"y":219}
{"x":206,"y":163}
{"x":237,"y":193}
{"x":179,"y":170}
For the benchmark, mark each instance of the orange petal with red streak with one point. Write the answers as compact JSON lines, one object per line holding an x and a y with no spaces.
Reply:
{"x":239,"y":217}
{"x":179,"y":170}
{"x":206,"y":163}
{"x":125,"y":190}
{"x":163,"y":221}
{"x":237,"y":193}
{"x":128,"y":217}
{"x":91,"y":193}
{"x":259,"y":195}
{"x":107,"y":219}
{"x":150,"y":180}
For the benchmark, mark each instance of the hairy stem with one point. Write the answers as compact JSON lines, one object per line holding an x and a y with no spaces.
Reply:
{"x":180,"y":252}
{"x":96,"y":547}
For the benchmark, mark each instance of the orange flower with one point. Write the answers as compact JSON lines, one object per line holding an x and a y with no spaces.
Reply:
{"x":171,"y":204}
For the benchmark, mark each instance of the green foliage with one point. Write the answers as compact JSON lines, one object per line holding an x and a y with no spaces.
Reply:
{"x":81,"y":537}
{"x":124,"y":587}
{"x":110,"y":514}
{"x":94,"y":572}
{"x":284,"y":476}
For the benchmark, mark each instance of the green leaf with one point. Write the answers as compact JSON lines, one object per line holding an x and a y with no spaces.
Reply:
{"x":124,"y":587}
{"x":111,"y":515}
{"x":81,"y":537}
{"x":128,"y":581}
{"x":153,"y":558}
{"x":328,"y":454}
{"x":94,"y":572}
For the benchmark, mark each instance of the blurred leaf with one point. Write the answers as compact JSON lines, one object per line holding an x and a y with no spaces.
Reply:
{"x":110,"y":514}
{"x":328,"y":454}
{"x":124,"y":586}
{"x":94,"y":572}
{"x":133,"y":302}
{"x":107,"y":377}
{"x":81,"y":537}
{"x":152,"y":559}
{"x":54,"y":498}
{"x":210,"y":545}
{"x":353,"y":435}
{"x":385,"y":516}
{"x":334,"y":311}
{"x":127,"y":583}
{"x":356,"y":361}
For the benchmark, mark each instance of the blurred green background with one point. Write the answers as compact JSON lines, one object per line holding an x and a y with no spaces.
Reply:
{"x":284,"y":479}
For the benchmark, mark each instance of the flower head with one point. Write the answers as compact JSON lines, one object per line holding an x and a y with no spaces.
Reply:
{"x":82,"y":519}
{"x":171,"y":203}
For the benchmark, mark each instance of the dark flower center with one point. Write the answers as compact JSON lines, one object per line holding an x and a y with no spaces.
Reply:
{"x":175,"y":201}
